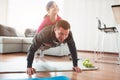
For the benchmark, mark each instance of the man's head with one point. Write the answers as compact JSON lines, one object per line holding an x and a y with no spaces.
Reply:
{"x":62,"y":29}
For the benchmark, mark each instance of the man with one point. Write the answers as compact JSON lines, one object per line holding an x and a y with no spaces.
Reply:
{"x":52,"y":36}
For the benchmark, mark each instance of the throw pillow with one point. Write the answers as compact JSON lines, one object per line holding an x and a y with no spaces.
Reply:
{"x":7,"y":31}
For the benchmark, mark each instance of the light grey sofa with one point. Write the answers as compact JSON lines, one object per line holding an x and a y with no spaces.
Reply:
{"x":10,"y":44}
{"x":22,"y":44}
{"x":13,"y":43}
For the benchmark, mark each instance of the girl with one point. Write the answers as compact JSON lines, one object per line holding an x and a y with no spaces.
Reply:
{"x":51,"y":17}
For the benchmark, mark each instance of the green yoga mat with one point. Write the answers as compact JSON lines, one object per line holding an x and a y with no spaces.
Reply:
{"x":49,"y":78}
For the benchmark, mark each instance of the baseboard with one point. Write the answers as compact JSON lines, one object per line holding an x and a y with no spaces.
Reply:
{"x":87,"y":51}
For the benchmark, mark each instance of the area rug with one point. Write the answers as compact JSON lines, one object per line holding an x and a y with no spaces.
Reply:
{"x":41,"y":66}
{"x":49,"y":78}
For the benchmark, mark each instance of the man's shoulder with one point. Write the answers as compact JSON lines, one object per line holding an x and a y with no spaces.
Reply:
{"x":48,"y":30}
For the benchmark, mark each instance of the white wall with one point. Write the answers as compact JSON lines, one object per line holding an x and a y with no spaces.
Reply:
{"x":80,"y":13}
{"x":24,"y":14}
{"x":3,"y":11}
{"x":82,"y":16}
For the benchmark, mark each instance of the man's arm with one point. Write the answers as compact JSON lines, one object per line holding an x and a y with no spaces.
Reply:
{"x":33,"y":48}
{"x":72,"y":48}
{"x":42,"y":37}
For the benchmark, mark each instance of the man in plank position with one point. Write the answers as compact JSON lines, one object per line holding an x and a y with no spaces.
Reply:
{"x":53,"y":36}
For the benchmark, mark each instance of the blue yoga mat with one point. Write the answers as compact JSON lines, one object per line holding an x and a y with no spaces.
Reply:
{"x":49,"y":78}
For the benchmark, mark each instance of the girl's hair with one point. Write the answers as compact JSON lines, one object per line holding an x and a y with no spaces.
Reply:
{"x":49,"y":4}
{"x":45,"y":16}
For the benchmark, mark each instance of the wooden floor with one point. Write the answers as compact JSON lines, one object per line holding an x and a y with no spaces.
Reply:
{"x":105,"y":71}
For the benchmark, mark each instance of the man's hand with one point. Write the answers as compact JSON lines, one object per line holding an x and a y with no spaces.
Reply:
{"x":77,"y":69}
{"x":30,"y":71}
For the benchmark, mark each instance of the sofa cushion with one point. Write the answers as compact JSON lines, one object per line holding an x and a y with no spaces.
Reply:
{"x":27,"y":40}
{"x":10,"y":44}
{"x":10,"y":40}
{"x":26,"y":43}
{"x":7,"y":31}
{"x":29,"y":32}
